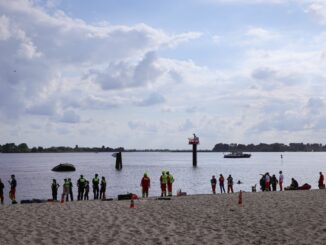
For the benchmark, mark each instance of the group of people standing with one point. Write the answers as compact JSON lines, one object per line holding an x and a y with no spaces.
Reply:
{"x":221,"y":183}
{"x":99,"y":187}
{"x":269,"y":183}
{"x":166,"y":182}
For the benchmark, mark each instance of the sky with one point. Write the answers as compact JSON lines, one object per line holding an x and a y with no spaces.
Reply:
{"x":148,"y":74}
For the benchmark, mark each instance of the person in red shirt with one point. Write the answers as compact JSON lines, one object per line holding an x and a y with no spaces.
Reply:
{"x":221,"y":181}
{"x":321,"y":181}
{"x":145,"y":184}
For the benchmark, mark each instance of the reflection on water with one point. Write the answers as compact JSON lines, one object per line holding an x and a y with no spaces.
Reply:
{"x":34,"y":175}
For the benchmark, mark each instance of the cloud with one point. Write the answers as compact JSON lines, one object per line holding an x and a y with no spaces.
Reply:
{"x":317,"y":8}
{"x":261,"y":34}
{"x":46,"y":53}
{"x":152,"y":99}
{"x":68,"y":116}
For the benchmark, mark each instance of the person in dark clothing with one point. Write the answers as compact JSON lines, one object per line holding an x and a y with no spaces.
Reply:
{"x":54,"y":188}
{"x":213,"y":184}
{"x":70,"y":191}
{"x":103,"y":188}
{"x":13,"y":185}
{"x":262,"y":182}
{"x":221,"y":181}
{"x":294,"y":184}
{"x":2,"y":186}
{"x":86,"y":190}
{"x":321,"y":184}
{"x":81,"y":187}
{"x":274,"y":182}
{"x":96,"y":183}
{"x":230,"y":184}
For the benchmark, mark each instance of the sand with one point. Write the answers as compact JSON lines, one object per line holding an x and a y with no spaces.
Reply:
{"x":291,"y":217}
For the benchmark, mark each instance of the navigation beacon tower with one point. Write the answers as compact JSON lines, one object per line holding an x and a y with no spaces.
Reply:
{"x":194,"y":142}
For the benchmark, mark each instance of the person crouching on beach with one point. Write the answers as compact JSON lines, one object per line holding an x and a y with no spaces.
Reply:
{"x":213,"y":184}
{"x":221,"y":181}
{"x":169,"y":180}
{"x":163,"y":182}
{"x":54,"y":188}
{"x":103,"y":188}
{"x":145,"y":184}
{"x":321,"y":184}
{"x":2,"y":186}
{"x":230,"y":184}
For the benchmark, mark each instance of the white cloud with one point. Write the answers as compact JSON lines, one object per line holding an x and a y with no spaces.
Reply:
{"x":261,"y":34}
{"x":317,"y":8}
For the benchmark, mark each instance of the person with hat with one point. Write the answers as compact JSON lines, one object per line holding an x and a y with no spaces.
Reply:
{"x":145,"y":184}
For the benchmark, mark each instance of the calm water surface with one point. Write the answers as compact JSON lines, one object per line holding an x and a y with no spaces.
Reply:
{"x":34,"y":175}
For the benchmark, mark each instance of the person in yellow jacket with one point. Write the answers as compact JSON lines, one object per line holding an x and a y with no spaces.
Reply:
{"x":170,"y":181}
{"x":163,"y":181}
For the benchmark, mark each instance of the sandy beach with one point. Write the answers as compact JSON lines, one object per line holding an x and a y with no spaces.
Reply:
{"x":292,"y":217}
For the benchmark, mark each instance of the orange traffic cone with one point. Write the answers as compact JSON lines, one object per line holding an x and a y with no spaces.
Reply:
{"x":132,"y":204}
{"x":240,"y":199}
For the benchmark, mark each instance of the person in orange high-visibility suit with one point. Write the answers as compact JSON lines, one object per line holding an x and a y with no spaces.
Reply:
{"x":145,"y":184}
{"x":163,"y":181}
{"x":169,"y":180}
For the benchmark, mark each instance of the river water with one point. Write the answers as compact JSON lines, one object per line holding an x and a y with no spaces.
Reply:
{"x":34,"y":175}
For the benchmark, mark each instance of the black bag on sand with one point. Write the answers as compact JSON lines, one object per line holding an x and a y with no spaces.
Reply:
{"x":125,"y":196}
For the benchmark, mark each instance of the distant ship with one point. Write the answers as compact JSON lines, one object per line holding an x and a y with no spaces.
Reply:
{"x":237,"y":154}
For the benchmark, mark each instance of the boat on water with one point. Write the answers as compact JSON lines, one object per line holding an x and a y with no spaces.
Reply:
{"x":237,"y":154}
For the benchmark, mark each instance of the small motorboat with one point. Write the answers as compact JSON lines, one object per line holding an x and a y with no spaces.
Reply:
{"x":237,"y":154}
{"x":64,"y":167}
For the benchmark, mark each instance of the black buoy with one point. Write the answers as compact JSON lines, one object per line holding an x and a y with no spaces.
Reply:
{"x":118,"y":161}
{"x":194,"y":142}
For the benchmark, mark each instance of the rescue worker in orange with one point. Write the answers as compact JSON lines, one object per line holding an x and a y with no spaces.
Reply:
{"x":163,"y":181}
{"x":169,"y":180}
{"x":145,"y":184}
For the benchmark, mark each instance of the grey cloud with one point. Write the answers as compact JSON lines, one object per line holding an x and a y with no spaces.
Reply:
{"x":143,"y":126}
{"x":69,"y":116}
{"x":152,"y":99}
{"x":186,"y":126}
{"x":123,"y":75}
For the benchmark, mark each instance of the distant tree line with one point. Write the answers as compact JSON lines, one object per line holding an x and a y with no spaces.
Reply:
{"x":220,"y":147}
{"x":23,"y":148}
{"x":275,"y":147}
